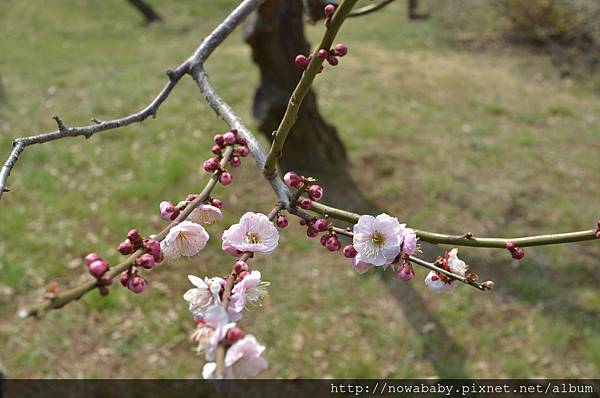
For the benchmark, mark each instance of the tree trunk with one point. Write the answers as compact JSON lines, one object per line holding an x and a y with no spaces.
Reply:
{"x":147,"y":10}
{"x":276,"y":34}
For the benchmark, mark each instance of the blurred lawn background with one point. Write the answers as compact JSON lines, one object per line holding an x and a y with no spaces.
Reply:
{"x":446,"y":132}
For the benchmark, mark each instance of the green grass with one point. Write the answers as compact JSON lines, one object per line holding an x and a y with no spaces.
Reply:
{"x":489,"y":140}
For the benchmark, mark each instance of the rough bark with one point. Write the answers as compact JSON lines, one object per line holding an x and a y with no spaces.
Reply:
{"x":276,"y":35}
{"x":147,"y":11}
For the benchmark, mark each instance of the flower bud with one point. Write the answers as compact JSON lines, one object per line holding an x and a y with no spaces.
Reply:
{"x":241,"y":141}
{"x":243,"y":151}
{"x":311,"y":232}
{"x":152,"y":246}
{"x":332,"y":60}
{"x":301,"y":61}
{"x":292,"y":179}
{"x":340,"y":50}
{"x":324,"y":240}
{"x":125,"y":248}
{"x":405,"y":272}
{"x":333,"y":244}
{"x":234,"y":131}
{"x":282,"y":222}
{"x":158,"y":258}
{"x":190,"y":197}
{"x":124,"y":279}
{"x":216,"y":150}
{"x":329,"y":9}
{"x":134,"y":236}
{"x":322,"y":225}
{"x":217,"y":203}
{"x":349,"y":251}
{"x":302,"y":222}
{"x":98,"y":268}
{"x":103,"y":291}
{"x":488,"y":285}
{"x":518,"y":253}
{"x":235,"y":161}
{"x":219,"y":140}
{"x":229,"y":138}
{"x":90,"y":258}
{"x":211,"y":165}
{"x":510,"y":246}
{"x":166,"y":210}
{"x":323,"y":54}
{"x":241,"y":266}
{"x":304,"y":203}
{"x":234,"y":334}
{"x":106,"y":280}
{"x":598,"y":234}
{"x":146,"y":260}
{"x":226,"y":178}
{"x":137,"y":284}
{"x":315,"y":192}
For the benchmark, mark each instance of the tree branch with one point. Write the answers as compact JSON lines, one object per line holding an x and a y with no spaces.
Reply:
{"x":369,"y":9}
{"x":295,"y":101}
{"x":204,"y":50}
{"x":470,"y":239}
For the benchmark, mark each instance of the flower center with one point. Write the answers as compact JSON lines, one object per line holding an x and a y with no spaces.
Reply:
{"x":378,"y":239}
{"x":253,"y":237}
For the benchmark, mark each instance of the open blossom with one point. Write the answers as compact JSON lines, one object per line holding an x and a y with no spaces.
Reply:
{"x":211,"y":330}
{"x":185,"y":239}
{"x":205,"y":214}
{"x":249,"y":290}
{"x":378,"y":239}
{"x":200,"y":297}
{"x":254,"y":233}
{"x":439,"y":283}
{"x":409,"y":241}
{"x":242,"y":360}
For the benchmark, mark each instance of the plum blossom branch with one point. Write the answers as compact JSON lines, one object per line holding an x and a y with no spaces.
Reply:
{"x":196,"y":60}
{"x":291,"y":113}
{"x":59,"y":299}
{"x":469,"y":239}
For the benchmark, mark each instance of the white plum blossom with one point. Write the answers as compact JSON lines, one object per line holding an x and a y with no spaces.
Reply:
{"x":242,"y":360}
{"x":200,"y":297}
{"x":205,"y":214}
{"x":211,"y":330}
{"x":439,"y":283}
{"x":249,"y":290}
{"x":409,"y":241}
{"x":378,"y":239}
{"x":185,"y":239}
{"x":254,"y":233}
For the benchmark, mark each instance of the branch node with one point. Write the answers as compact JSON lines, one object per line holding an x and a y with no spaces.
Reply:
{"x":59,"y":123}
{"x":97,"y":121}
{"x":172,"y":75}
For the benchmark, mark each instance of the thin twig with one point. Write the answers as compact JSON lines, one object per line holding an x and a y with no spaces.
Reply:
{"x":303,"y":87}
{"x":369,"y":9}
{"x":204,"y":50}
{"x":469,"y":239}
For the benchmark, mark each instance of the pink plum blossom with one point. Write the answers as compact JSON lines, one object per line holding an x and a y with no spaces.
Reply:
{"x":242,"y":360}
{"x":200,"y":297}
{"x":409,"y":241}
{"x":185,"y":239}
{"x":205,"y":214}
{"x":211,"y":330}
{"x":378,"y":239}
{"x":249,"y":290}
{"x":437,"y":283}
{"x":254,"y":233}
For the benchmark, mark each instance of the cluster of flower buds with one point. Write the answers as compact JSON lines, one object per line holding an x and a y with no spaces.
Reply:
{"x":133,"y":281}
{"x":315,"y":192}
{"x":598,"y":229}
{"x":516,"y":252}
{"x":282,"y":221}
{"x":328,"y":10}
{"x":331,"y":56}
{"x":98,"y":267}
{"x":135,"y":241}
{"x":221,"y":141}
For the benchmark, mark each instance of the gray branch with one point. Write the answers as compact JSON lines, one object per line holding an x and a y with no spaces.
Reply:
{"x":193,"y":66}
